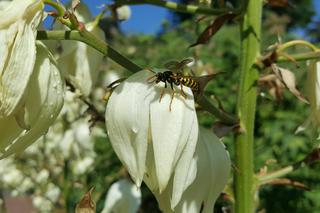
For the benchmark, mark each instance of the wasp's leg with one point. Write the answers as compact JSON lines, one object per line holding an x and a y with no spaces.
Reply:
{"x":161,"y":94}
{"x":171,"y":85}
{"x":182,"y":92}
{"x":172,"y":96}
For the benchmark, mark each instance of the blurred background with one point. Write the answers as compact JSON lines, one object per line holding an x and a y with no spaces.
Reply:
{"x":54,"y":173}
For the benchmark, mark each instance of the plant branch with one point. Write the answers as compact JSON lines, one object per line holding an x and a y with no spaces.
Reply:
{"x":93,"y":41}
{"x":193,"y":9}
{"x":312,"y":157}
{"x":222,"y":115}
{"x":286,"y":45}
{"x":107,"y":50}
{"x":300,"y":56}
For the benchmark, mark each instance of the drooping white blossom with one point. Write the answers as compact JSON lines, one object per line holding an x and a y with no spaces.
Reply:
{"x":40,"y":105}
{"x":122,"y":197}
{"x":313,"y":94}
{"x":18,"y":26}
{"x":80,"y":62}
{"x":152,"y":142}
{"x":208,"y":173}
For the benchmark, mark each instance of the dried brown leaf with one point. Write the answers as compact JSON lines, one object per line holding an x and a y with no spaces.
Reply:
{"x":286,"y":181}
{"x":274,"y":86}
{"x":289,"y":80}
{"x":213,"y":28}
{"x":203,"y":81}
{"x":279,"y":3}
{"x":312,"y":157}
{"x":86,"y":204}
{"x":220,"y":129}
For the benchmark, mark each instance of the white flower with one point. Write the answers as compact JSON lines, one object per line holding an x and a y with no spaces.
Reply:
{"x":52,"y":192}
{"x":80,"y":62}
{"x":42,"y":204}
{"x":211,"y":164}
{"x":313,"y":93}
{"x":123,"y":13}
{"x":150,"y":140}
{"x":40,"y":105}
{"x":122,"y":197}
{"x":42,"y":176}
{"x":18,"y":27}
{"x":4,"y":4}
{"x":83,"y":165}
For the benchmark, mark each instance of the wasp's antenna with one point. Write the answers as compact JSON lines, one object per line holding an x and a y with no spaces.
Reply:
{"x":149,"y":69}
{"x":152,"y":78}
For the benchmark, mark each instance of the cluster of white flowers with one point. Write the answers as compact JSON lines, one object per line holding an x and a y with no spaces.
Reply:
{"x":31,"y":88}
{"x":32,"y":96}
{"x":185,"y":168}
{"x":73,"y":144}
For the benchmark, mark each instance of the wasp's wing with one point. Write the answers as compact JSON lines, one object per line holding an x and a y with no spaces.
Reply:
{"x":171,"y":65}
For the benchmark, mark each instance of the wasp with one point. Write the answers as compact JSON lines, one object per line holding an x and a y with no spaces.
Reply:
{"x":174,"y":76}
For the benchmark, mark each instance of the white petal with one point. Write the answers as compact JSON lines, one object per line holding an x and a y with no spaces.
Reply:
{"x":80,"y":62}
{"x":170,"y":130}
{"x":186,"y":168}
{"x":4,"y":4}
{"x":127,"y":121}
{"x":44,"y":99}
{"x":213,"y":170}
{"x":18,"y":24}
{"x":313,"y":87}
{"x":122,"y":197}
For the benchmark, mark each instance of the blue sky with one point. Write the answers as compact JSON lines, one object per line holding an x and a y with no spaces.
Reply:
{"x":147,"y":18}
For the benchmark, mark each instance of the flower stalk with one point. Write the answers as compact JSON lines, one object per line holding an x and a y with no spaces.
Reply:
{"x":246,"y":107}
{"x":107,"y":50}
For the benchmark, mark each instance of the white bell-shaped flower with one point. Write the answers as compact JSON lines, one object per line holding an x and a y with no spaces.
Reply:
{"x":313,"y":87}
{"x":313,"y":94}
{"x":18,"y":26}
{"x":80,"y":62}
{"x":208,"y":174}
{"x":122,"y":197}
{"x":40,"y":105}
{"x":150,"y":140}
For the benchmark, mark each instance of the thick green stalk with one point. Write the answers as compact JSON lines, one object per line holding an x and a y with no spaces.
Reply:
{"x":246,"y":107}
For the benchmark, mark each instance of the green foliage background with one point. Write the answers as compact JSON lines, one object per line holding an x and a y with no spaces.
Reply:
{"x":276,"y":145}
{"x":276,"y":122}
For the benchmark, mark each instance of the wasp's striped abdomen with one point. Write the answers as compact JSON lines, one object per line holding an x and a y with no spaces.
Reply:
{"x":188,"y":82}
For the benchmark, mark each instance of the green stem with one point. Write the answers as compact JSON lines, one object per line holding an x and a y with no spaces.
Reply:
{"x":106,"y":49}
{"x":246,"y":107}
{"x":193,"y":9}
{"x":60,"y":9}
{"x":225,"y":117}
{"x":93,"y":41}
{"x":295,"y":43}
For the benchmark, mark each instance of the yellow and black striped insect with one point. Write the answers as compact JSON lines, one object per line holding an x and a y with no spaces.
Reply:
{"x":174,"y":76}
